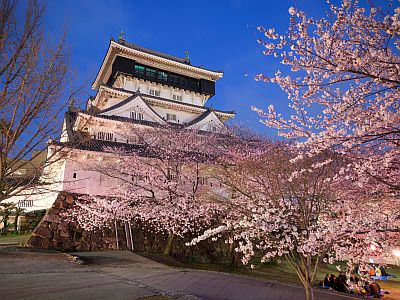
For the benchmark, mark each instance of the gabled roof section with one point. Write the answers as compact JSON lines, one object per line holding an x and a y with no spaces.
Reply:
{"x":207,"y":121}
{"x":133,"y":103}
{"x":155,"y":100}
{"x":144,"y":55}
{"x":198,"y":119}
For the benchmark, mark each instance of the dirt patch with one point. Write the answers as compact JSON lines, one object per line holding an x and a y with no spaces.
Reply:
{"x":155,"y":298}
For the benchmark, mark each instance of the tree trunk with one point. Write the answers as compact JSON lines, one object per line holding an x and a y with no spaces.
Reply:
{"x":170,"y":243}
{"x":130,"y":234}
{"x":309,"y":291}
{"x":234,"y":256}
{"x":16,"y":224}
{"x":5,"y":221}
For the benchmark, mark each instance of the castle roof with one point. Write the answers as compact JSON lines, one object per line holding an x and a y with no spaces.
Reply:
{"x":163,"y":55}
{"x":153,"y":52}
{"x":79,"y":141}
{"x":152,"y":57}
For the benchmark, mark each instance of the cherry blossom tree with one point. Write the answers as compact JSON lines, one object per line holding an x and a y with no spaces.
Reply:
{"x":35,"y":86}
{"x":301,"y":210}
{"x":343,"y":86}
{"x":161,"y":182}
{"x":94,"y":212}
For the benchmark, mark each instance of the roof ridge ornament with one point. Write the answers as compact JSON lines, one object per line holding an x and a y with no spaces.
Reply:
{"x":187,"y":59}
{"x":121,"y":36}
{"x":71,"y":105}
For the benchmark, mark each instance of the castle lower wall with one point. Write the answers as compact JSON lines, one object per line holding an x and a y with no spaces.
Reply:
{"x":56,"y":233}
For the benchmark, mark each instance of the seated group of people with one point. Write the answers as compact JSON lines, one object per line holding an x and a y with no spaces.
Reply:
{"x":378,"y":272}
{"x":352,"y":286}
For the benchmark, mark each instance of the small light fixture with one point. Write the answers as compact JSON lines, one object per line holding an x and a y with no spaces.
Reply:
{"x":396,"y":252}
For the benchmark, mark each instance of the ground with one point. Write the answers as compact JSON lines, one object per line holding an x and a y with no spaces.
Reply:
{"x":278,"y":272}
{"x":26,"y":274}
{"x":32,"y":274}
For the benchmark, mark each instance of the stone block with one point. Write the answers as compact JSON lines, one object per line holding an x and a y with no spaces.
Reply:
{"x":57,"y":204}
{"x":62,"y":226}
{"x":47,"y":244}
{"x":64,"y":233}
{"x":52,"y":218}
{"x":53,"y":211}
{"x":53,"y":226}
{"x":66,"y":244}
{"x":69,"y":200}
{"x":35,"y":241}
{"x":44,"y":232}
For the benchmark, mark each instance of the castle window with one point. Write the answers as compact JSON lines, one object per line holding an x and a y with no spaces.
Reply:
{"x":151,"y":73}
{"x":171,"y":117}
{"x":184,"y":81}
{"x":139,"y":70}
{"x":177,"y":97}
{"x":154,"y":92}
{"x":137,"y":116}
{"x":174,"y":79}
{"x":74,"y":175}
{"x":106,"y":136}
{"x":162,"y":76}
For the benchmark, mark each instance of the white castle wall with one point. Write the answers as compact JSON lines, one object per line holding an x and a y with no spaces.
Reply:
{"x":133,"y":84}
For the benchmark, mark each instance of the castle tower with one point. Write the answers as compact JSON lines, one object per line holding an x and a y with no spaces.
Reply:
{"x":135,"y":86}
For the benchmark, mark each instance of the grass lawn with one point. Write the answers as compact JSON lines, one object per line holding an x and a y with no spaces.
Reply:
{"x":279,"y":272}
{"x":14,"y":239}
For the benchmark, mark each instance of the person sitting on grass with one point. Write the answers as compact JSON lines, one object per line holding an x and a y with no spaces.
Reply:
{"x":340,"y":284}
{"x":372,"y":271}
{"x":375,"y":289}
{"x":354,"y":278}
{"x":383,"y":271}
{"x":326,"y":282}
{"x":378,"y":272}
{"x":332,"y":282}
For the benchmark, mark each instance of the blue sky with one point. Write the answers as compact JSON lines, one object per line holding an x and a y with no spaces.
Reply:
{"x":220,"y":35}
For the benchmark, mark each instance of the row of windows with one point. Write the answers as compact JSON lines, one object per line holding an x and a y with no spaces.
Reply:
{"x":108,"y":136}
{"x":25,"y":203}
{"x":171,"y":117}
{"x":154,"y":92}
{"x":177,"y":97}
{"x":105,"y":136}
{"x":137,"y":116}
{"x":148,"y":72}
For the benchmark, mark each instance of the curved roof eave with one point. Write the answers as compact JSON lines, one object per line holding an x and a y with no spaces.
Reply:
{"x":113,"y":45}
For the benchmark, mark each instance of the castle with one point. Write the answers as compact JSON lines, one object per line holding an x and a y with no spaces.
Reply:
{"x":136,"y":86}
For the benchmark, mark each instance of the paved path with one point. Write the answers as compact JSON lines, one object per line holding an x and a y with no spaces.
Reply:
{"x":125,"y":275}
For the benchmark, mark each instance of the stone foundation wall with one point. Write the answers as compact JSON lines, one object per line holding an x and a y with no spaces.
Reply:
{"x":53,"y":232}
